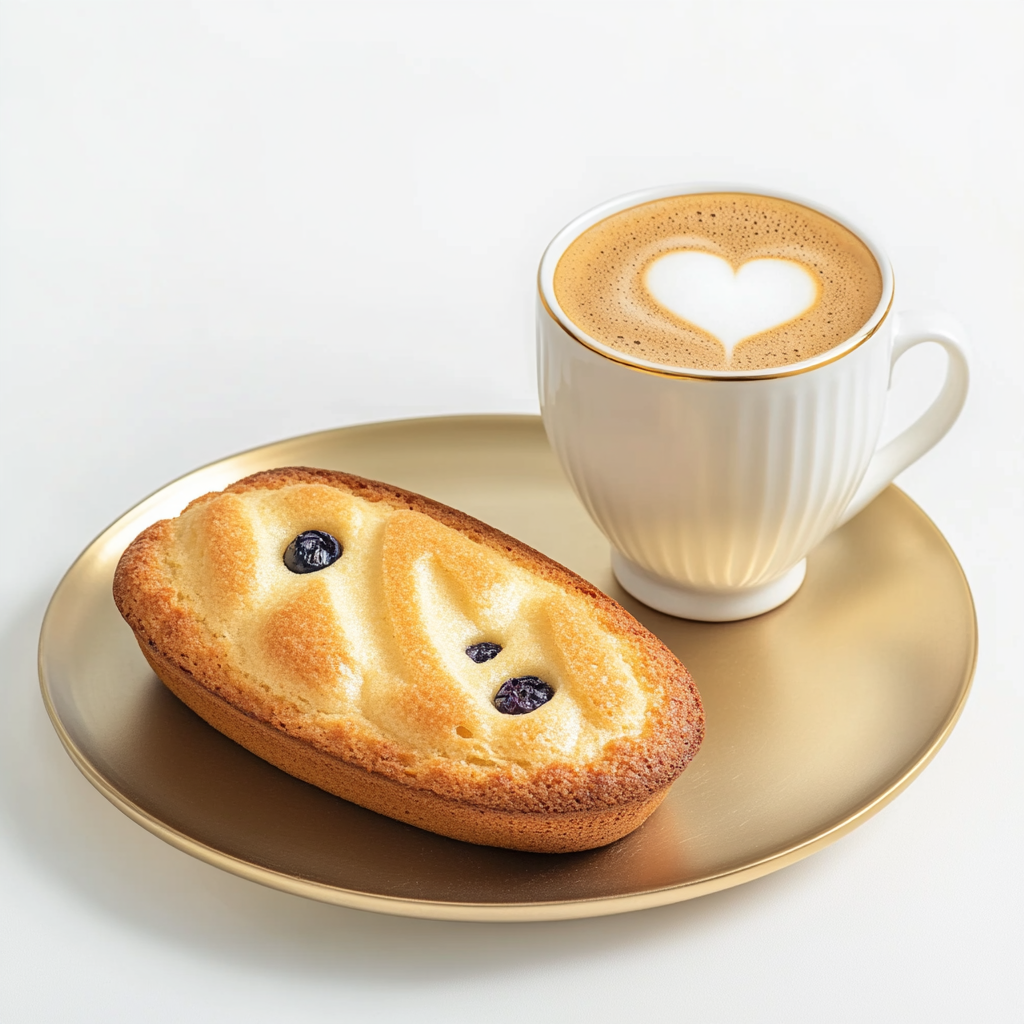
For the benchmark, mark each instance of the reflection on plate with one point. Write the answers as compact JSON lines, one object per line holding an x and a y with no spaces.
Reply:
{"x":818,"y":713}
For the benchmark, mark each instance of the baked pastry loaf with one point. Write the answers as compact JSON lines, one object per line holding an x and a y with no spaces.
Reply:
{"x":411,"y":659}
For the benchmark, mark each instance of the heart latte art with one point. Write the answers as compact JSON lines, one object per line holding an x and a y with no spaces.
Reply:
{"x":718,"y":281}
{"x":703,"y":289}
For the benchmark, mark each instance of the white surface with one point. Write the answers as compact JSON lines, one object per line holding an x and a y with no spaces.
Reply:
{"x":224,"y":224}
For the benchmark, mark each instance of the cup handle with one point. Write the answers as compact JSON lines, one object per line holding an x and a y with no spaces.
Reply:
{"x":917,"y":328}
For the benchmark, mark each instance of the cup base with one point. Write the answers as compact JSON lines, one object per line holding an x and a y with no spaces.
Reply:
{"x":705,"y":605}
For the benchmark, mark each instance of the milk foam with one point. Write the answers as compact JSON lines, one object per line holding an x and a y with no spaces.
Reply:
{"x":730,"y":304}
{"x":718,"y":281}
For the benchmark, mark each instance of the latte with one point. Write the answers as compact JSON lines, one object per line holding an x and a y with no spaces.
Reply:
{"x":718,"y":281}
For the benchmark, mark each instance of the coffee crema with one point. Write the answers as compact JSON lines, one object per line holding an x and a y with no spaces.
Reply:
{"x":718,"y":281}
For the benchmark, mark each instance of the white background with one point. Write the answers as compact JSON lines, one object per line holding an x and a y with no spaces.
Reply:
{"x":223,"y":224}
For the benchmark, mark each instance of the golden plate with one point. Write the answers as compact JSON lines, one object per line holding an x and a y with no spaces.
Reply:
{"x":818,"y":713}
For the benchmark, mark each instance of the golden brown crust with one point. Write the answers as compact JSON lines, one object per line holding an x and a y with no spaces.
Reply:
{"x":631,"y":773}
{"x":564,"y":832}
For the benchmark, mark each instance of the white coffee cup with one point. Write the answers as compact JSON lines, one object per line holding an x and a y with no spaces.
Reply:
{"x":712,"y":486}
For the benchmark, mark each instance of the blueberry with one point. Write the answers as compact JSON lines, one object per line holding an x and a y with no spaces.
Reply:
{"x":522,"y":695}
{"x":312,"y":551}
{"x":483,"y":652}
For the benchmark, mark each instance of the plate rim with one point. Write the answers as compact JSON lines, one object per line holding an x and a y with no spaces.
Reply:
{"x":452,"y":910}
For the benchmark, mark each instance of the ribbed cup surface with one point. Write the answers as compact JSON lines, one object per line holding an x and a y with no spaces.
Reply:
{"x":714,"y":484}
